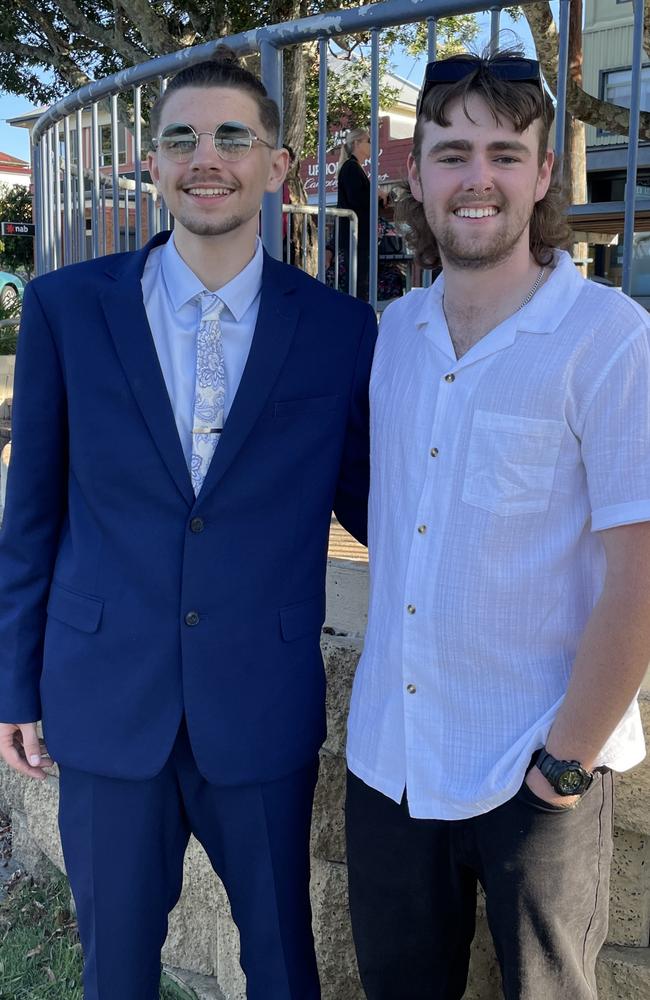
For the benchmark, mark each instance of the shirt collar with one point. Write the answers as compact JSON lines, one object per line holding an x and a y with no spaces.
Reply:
{"x":543,"y":314}
{"x":182,"y":285}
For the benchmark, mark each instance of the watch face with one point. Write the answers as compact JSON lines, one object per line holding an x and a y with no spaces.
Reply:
{"x":570,"y":782}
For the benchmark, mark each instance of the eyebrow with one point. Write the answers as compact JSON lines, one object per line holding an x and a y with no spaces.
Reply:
{"x":464,"y":145}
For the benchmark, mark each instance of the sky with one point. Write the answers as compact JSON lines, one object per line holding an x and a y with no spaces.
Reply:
{"x":15,"y":141}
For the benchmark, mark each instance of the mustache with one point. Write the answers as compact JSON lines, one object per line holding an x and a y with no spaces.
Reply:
{"x":207,"y":180}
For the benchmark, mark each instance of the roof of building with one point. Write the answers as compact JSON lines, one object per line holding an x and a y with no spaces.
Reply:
{"x":9,"y":162}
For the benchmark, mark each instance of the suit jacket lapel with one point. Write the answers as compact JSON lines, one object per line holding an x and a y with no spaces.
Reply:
{"x":276,"y":325}
{"x":127,"y":321}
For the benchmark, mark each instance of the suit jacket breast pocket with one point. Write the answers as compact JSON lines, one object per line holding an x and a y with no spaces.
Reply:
{"x":511,"y":463}
{"x":314,"y":406}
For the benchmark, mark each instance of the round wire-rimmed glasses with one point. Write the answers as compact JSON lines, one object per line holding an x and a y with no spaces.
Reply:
{"x":232,"y":141}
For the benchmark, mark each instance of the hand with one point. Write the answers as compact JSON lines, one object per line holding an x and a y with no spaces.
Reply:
{"x":544,"y":790}
{"x":22,"y":750}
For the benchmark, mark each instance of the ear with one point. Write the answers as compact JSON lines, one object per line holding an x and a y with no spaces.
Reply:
{"x":544,"y":175}
{"x":414,"y":178}
{"x":152,"y":163}
{"x":278,"y":169}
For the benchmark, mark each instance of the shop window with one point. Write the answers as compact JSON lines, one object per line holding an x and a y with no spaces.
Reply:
{"x":106,"y":146}
{"x":617,"y":89}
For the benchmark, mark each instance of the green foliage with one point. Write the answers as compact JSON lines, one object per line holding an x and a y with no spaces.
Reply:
{"x":348,"y":98}
{"x":16,"y":252}
{"x":453,"y":34}
{"x":40,"y":955}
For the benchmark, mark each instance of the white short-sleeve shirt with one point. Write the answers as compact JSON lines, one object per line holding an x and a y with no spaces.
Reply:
{"x":491,"y":477}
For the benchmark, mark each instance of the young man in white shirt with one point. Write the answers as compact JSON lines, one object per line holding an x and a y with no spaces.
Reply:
{"x":509,"y":625}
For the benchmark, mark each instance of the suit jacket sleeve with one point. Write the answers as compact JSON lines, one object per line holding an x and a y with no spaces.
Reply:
{"x":351,"y":503}
{"x":34,"y":511}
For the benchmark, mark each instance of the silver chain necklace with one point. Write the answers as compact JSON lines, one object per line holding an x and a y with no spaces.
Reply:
{"x":538,"y":281}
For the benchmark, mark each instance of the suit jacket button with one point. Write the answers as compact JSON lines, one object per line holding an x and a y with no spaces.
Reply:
{"x":192,"y":618}
{"x":196,"y":525}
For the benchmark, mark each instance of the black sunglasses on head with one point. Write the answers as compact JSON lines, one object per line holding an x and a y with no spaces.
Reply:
{"x":446,"y":71}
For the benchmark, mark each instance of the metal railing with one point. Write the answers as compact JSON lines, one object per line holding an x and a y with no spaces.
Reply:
{"x":71,"y":189}
{"x":333,"y":218}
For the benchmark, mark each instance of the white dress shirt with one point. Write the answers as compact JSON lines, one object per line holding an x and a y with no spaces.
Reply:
{"x":170,"y":290}
{"x":491,"y":477}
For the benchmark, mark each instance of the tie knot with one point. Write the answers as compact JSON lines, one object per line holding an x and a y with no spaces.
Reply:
{"x":211,"y":306}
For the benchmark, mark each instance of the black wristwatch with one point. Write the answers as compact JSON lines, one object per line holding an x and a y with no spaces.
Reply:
{"x":568,"y":777}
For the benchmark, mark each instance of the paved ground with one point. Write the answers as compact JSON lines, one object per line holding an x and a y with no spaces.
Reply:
{"x":344,"y":546}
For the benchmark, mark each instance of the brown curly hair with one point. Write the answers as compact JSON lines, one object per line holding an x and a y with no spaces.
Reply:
{"x":519,"y":103}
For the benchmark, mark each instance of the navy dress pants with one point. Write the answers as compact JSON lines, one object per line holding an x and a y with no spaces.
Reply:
{"x":124,"y":843}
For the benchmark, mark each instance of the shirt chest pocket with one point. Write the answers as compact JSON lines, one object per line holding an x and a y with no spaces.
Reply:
{"x":511,"y":463}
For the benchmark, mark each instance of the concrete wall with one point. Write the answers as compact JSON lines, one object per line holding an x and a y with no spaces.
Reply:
{"x":202,"y":937}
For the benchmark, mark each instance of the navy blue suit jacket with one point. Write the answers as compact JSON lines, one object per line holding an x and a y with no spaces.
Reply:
{"x":105,"y":553}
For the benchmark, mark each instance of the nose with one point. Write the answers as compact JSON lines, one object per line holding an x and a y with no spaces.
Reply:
{"x":478,"y":177}
{"x":205,"y":154}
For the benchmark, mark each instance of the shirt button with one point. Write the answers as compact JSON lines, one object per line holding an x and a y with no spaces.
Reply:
{"x":450,"y":378}
{"x":434,"y":453}
{"x":410,"y":608}
{"x":197,"y":525}
{"x":411,"y":688}
{"x":422,"y":529}
{"x":192,"y":618}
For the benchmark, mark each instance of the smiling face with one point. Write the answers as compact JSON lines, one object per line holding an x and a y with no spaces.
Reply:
{"x":209,"y":196}
{"x":478,"y":182}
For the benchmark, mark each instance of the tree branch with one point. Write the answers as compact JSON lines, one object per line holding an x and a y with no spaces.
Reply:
{"x":114,"y":39}
{"x":70,"y":73}
{"x":587,"y":108}
{"x":155,"y":35}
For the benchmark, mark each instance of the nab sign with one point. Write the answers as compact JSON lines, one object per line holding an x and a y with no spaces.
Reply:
{"x":17,"y":229}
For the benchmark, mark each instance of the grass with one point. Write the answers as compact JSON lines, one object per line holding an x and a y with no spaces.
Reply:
{"x":40,"y":955}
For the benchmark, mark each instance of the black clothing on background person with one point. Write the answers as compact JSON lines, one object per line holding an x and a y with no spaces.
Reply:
{"x":354,"y":193}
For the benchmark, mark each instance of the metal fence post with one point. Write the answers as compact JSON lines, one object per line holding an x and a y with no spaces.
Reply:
{"x":272,"y":206}
{"x":633,"y":148}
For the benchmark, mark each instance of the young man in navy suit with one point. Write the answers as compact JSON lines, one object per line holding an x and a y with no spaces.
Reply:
{"x":186,"y":417}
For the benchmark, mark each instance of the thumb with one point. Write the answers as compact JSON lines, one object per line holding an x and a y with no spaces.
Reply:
{"x":31,"y":745}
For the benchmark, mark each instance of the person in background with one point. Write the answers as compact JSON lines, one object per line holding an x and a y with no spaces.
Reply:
{"x":390,"y":274}
{"x":509,"y":539}
{"x":354,"y":194}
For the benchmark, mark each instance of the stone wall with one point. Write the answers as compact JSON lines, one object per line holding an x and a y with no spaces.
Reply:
{"x":202,"y":937}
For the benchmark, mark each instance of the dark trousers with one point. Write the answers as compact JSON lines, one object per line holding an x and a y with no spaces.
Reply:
{"x":124,"y":843}
{"x":413,"y":883}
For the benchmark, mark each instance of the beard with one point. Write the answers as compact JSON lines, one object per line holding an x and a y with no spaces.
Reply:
{"x":202,"y":225}
{"x":210,"y":227}
{"x":477,"y":251}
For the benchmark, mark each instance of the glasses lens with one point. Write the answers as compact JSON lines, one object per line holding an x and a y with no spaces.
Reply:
{"x":519,"y":70}
{"x":177,"y":142}
{"x":232,"y":140}
{"x":448,"y":71}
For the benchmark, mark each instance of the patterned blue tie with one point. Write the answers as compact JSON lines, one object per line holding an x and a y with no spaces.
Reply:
{"x":210,"y":389}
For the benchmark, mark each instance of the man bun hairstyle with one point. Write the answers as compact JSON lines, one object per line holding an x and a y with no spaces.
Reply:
{"x":520,"y":102}
{"x":223,"y":70}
